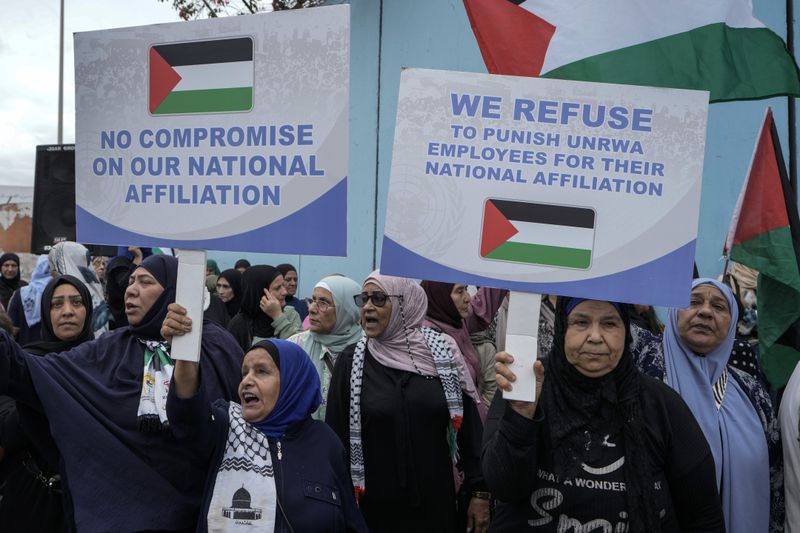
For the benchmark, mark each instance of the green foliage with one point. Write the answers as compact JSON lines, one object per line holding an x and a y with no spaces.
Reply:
{"x":195,"y":9}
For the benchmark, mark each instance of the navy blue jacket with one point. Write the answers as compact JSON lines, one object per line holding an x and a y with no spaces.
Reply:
{"x":312,"y":478}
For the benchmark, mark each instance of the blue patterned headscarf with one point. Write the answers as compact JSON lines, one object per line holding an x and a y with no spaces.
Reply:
{"x":299,"y":393}
{"x":31,"y":295}
{"x":733,"y":431}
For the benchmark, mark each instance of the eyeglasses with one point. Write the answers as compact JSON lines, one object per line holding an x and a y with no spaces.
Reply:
{"x":322,"y":305}
{"x":378,"y":298}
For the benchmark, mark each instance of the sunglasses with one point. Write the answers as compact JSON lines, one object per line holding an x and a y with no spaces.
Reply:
{"x":378,"y":298}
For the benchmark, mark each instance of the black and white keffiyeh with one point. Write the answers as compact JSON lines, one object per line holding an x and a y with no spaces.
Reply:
{"x":448,"y":374}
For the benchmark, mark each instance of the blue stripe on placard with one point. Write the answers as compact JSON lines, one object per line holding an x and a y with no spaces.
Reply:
{"x":319,"y":228}
{"x":656,"y":283}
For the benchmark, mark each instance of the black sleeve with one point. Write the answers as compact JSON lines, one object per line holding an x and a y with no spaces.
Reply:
{"x":689,"y":469}
{"x":469,"y":446}
{"x":696,"y":500}
{"x":510,"y":455}
{"x":192,"y":422}
{"x":337,"y":413}
{"x":15,"y":377}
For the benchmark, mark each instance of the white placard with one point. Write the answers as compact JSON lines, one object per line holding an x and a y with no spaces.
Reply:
{"x":522,"y":343}
{"x":189,"y":293}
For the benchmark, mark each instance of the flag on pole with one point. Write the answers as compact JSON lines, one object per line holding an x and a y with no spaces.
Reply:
{"x":201,"y":77}
{"x":714,"y":45}
{"x":765,"y":235}
{"x":539,"y":234}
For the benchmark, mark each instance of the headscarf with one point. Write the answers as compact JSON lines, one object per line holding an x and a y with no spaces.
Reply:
{"x":75,"y":260}
{"x":579,"y":405}
{"x":285,"y":268}
{"x":164,"y":269}
{"x":50,"y":343}
{"x":734,"y":432}
{"x":402,"y":345}
{"x":254,"y":280}
{"x":347,"y":328}
{"x":8,"y":286}
{"x":234,"y":279}
{"x":31,"y":294}
{"x":299,"y":393}
{"x":443,"y":315}
{"x":211,"y":283}
{"x":210,"y":263}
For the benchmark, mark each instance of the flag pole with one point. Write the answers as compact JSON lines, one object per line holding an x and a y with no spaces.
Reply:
{"x":61,"y":78}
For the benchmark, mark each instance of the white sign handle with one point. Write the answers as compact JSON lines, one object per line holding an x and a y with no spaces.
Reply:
{"x":189,"y":293}
{"x":521,"y":342}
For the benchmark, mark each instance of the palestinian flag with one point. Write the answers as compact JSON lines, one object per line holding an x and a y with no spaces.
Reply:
{"x":539,"y":234}
{"x":201,"y":77}
{"x":712,"y":45}
{"x":765,"y":235}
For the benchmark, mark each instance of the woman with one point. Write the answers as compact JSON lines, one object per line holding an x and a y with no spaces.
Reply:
{"x":334,"y":328}
{"x":229,"y":290}
{"x":273,"y":467}
{"x":32,"y":496}
{"x":731,"y":406}
{"x":602,"y":447}
{"x":107,"y":412}
{"x":263,"y":313}
{"x":25,"y":305}
{"x":404,"y":406}
{"x":74,"y":259}
{"x":212,"y":269}
{"x":290,"y":280}
{"x":10,"y":279}
{"x":453,"y":311}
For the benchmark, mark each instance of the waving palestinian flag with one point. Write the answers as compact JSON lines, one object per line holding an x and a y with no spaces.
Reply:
{"x":765,"y":235}
{"x":713,"y":45}
{"x":201,"y":77}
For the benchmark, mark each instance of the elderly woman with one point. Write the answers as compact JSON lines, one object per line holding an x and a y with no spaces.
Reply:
{"x":263,"y":313}
{"x":32,"y":496}
{"x":732,"y":407}
{"x":272,"y":467}
{"x":602,"y":447}
{"x":334,"y":328}
{"x":106,"y":408}
{"x":404,"y":405}
{"x":453,"y":311}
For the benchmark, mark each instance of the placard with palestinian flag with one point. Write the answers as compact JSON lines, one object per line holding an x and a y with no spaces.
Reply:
{"x":548,"y":186}
{"x":210,"y":135}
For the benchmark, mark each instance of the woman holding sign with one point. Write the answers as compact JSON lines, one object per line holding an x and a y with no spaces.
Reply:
{"x":405,"y":407}
{"x":105,"y":401}
{"x":602,"y":446}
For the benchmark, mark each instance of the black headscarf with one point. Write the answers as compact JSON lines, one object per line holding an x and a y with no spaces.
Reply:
{"x":8,"y":286}
{"x":251,"y":321}
{"x":234,"y":279}
{"x":50,"y":343}
{"x":577,"y":406}
{"x":164,"y":268}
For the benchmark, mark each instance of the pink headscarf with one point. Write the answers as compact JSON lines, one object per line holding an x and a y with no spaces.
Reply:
{"x":402,"y":339}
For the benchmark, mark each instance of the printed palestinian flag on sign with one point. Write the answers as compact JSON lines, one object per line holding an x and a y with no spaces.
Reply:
{"x":713,"y":45}
{"x":538,"y":234}
{"x":765,"y":235}
{"x":201,"y":77}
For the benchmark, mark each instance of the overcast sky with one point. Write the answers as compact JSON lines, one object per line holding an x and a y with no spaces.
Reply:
{"x":29,"y":67}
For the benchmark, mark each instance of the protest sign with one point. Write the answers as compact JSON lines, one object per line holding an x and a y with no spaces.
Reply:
{"x":222,"y":134}
{"x":549,"y":186}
